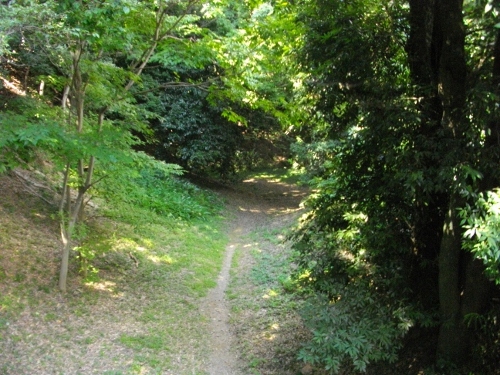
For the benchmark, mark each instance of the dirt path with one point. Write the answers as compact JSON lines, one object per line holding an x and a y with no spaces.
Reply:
{"x":224,"y":359}
{"x":254,"y":204}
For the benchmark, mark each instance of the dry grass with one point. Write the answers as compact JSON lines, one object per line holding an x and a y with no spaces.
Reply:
{"x":140,"y":317}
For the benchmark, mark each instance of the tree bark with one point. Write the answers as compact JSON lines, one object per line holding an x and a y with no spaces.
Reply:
{"x":452,"y":341}
{"x":420,"y":43}
{"x":436,"y":55}
{"x":429,"y":207}
{"x":70,"y":218}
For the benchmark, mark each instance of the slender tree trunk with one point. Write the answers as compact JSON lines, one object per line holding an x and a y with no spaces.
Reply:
{"x":75,"y":212}
{"x":69,"y":219}
{"x":64,"y":99}
{"x":67,"y":232}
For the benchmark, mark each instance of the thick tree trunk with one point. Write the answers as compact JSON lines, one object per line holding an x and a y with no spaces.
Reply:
{"x":429,"y":207}
{"x":477,"y":288}
{"x":452,"y":342}
{"x":420,"y":48}
{"x":436,"y":56}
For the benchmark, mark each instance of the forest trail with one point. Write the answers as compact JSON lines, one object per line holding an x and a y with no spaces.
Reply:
{"x":253,"y":205}
{"x":142,"y":317}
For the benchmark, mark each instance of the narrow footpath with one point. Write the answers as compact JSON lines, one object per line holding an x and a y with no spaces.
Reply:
{"x":253,"y":205}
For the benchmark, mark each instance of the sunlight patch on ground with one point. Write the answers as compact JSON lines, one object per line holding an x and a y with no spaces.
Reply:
{"x":126,"y":244}
{"x":249,"y":210}
{"x":268,"y":336}
{"x":104,"y":285}
{"x":270,"y":294}
{"x":166,"y":259}
{"x":283,"y":211}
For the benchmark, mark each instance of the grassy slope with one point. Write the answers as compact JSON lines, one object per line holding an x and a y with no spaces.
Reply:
{"x":138,"y":317}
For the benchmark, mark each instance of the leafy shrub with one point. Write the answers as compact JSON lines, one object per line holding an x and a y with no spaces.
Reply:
{"x":481,"y":219}
{"x":358,"y":307}
{"x":151,"y":186}
{"x":352,"y":330}
{"x":27,"y":128}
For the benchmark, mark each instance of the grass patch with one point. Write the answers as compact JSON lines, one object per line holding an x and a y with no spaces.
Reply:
{"x":151,"y":341}
{"x":271,"y":276}
{"x":139,"y":312}
{"x":264,"y":304}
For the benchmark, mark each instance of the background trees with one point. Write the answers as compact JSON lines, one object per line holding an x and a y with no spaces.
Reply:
{"x":93,"y":53}
{"x":228,"y":120}
{"x":96,"y":75}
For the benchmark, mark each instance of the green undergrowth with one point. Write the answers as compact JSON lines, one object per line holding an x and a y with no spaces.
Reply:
{"x":264,"y":303}
{"x":270,"y":273}
{"x":147,"y":254}
{"x":164,"y":247}
{"x":168,"y":244}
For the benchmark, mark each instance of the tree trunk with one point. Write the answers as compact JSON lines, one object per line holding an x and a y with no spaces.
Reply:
{"x":69,"y":218}
{"x":436,"y":56}
{"x":429,"y":207}
{"x":452,"y":343}
{"x":420,"y":48}
{"x":453,"y":338}
{"x":66,"y":240}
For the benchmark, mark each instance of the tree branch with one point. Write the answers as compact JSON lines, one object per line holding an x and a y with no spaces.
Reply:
{"x":166,"y":85}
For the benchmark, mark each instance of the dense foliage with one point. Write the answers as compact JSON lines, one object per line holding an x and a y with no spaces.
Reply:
{"x":219,"y":111}
{"x":395,"y":146}
{"x":393,"y":106}
{"x":87,"y":84}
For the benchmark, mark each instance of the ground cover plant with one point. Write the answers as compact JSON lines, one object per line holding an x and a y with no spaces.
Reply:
{"x":135,"y":310}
